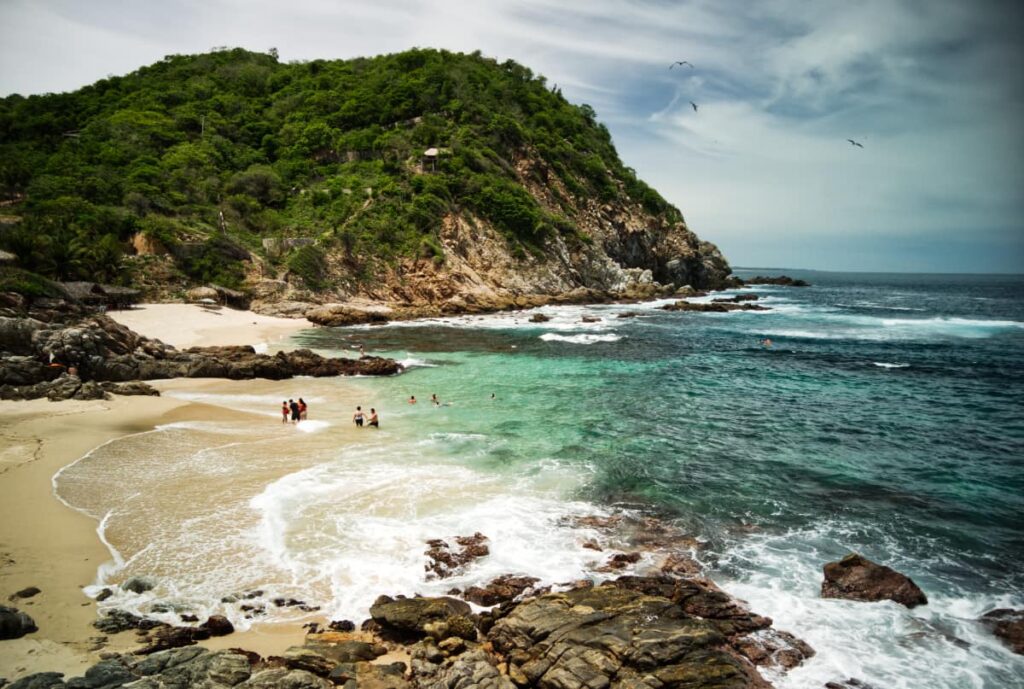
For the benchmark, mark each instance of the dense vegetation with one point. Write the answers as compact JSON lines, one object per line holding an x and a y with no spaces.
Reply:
{"x":210,"y":154}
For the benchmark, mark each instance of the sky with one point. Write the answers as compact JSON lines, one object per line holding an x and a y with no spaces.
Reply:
{"x":932,"y":89}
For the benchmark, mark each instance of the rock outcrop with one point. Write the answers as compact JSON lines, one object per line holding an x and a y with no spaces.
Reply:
{"x":97,"y":356}
{"x":713,"y":307}
{"x":857,"y":578}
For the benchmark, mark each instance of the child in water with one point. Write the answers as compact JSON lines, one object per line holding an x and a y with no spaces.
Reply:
{"x":285,"y":412}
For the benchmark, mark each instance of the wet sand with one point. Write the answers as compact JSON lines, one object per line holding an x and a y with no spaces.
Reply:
{"x":46,"y":544}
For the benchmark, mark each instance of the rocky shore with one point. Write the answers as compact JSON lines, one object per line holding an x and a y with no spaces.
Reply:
{"x":61,"y":350}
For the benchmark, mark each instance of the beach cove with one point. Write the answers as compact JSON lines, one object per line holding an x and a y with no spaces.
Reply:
{"x":734,"y":445}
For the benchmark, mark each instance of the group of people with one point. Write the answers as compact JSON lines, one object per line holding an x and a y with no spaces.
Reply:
{"x":371,"y":419}
{"x":293,"y":411}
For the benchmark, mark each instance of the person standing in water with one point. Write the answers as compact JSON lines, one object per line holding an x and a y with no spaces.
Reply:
{"x":294,"y":406}
{"x":302,"y":409}
{"x":285,"y":412}
{"x":374,"y":421}
{"x":412,"y":399}
{"x":357,"y":418}
{"x":433,"y":398}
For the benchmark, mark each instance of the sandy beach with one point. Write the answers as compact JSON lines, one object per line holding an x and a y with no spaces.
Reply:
{"x":46,"y":544}
{"x":192,"y":325}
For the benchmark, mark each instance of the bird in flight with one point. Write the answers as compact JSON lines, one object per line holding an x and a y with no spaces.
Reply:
{"x":680,"y":63}
{"x":854,"y":143}
{"x":695,"y":109}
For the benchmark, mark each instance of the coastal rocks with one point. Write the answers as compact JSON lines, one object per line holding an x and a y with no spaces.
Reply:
{"x":138,"y":584}
{"x":500,"y":590}
{"x":218,"y":625}
{"x":592,"y":637}
{"x":40,"y":680}
{"x":106,"y":353}
{"x":857,"y":578}
{"x":783,"y":280}
{"x":1008,"y":625}
{"x":473,"y":669}
{"x":739,"y":298}
{"x":15,"y":624}
{"x":437,"y":617}
{"x":120,"y":620}
{"x":540,"y":318}
{"x":713,"y":307}
{"x":773,"y":648}
{"x":165,"y":637}
{"x":443,"y":562}
{"x":347,"y":314}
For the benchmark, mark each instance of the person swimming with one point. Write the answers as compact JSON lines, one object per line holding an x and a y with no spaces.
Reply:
{"x":433,"y":398}
{"x":412,"y":399}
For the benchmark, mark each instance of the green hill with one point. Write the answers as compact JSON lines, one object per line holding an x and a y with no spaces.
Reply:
{"x":207,"y":156}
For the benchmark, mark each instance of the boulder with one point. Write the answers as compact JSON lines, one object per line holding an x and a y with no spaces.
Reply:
{"x":15,"y":624}
{"x":857,"y":578}
{"x":133,"y":387}
{"x":164,"y":638}
{"x":218,"y":625}
{"x":443,"y":561}
{"x":335,"y":315}
{"x":412,"y":615}
{"x":1008,"y":625}
{"x":540,"y":318}
{"x":299,"y":658}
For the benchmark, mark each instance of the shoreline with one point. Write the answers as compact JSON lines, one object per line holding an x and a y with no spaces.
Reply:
{"x":48,"y":544}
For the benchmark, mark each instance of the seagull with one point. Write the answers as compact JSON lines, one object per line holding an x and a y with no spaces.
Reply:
{"x":854,"y":143}
{"x":695,"y":109}
{"x":680,"y":63}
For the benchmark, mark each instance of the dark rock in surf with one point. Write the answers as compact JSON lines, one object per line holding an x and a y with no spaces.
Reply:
{"x":773,"y":648}
{"x":783,"y":280}
{"x":443,"y":561}
{"x":851,"y":683}
{"x":439,"y":617}
{"x":713,"y":307}
{"x":500,"y":590}
{"x":739,"y":298}
{"x":218,"y":625}
{"x":857,"y":578}
{"x":138,"y":584}
{"x":1008,"y":625}
{"x":15,"y":624}
{"x":539,"y":318}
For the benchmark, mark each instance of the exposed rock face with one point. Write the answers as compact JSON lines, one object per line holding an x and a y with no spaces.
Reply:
{"x":617,"y":637}
{"x":857,"y":578}
{"x":443,"y":562}
{"x":15,"y":624}
{"x":500,"y":590}
{"x":1008,"y":625}
{"x":106,"y":354}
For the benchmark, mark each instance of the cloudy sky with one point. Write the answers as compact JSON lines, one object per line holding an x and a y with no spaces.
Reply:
{"x":933,"y":89}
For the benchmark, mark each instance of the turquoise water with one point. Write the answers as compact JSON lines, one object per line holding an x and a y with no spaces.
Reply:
{"x":887,"y":418}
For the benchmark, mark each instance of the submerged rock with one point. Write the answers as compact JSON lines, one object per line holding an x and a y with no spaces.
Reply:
{"x":857,"y":578}
{"x":1008,"y":625}
{"x":783,"y":280}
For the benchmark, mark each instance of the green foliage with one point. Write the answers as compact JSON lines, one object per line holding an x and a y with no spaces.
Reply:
{"x":26,"y":283}
{"x":309,"y":263}
{"x":238,"y":141}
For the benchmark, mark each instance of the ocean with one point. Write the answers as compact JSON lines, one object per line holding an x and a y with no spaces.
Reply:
{"x":886,"y":418}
